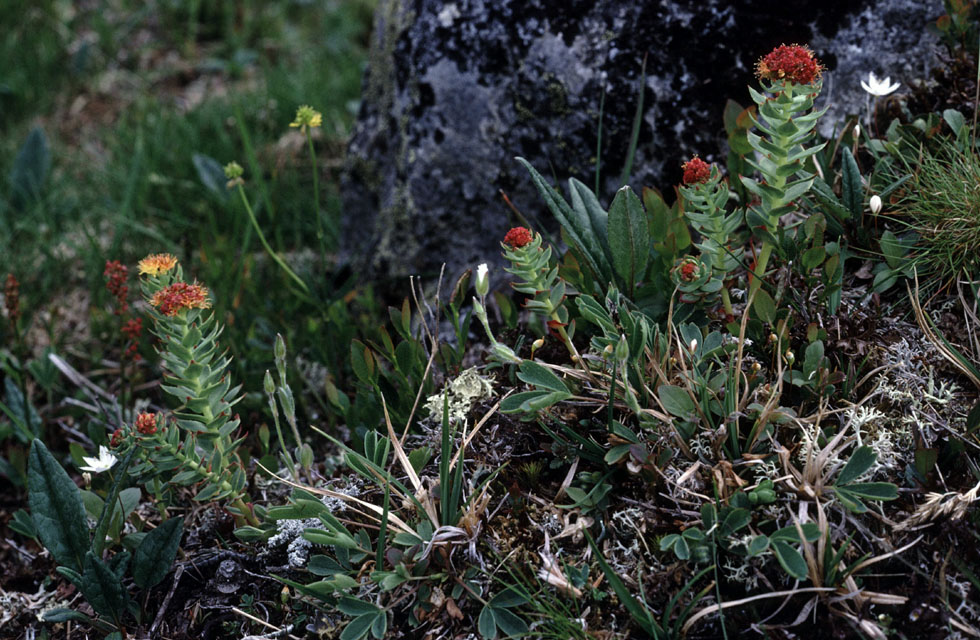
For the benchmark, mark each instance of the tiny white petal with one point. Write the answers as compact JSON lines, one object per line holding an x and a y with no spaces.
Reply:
{"x":481,"y":271}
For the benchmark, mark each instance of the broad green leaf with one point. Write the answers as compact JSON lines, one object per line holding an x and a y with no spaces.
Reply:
{"x":155,"y":555}
{"x":354,"y":607}
{"x":629,"y":237}
{"x":757,"y":545}
{"x":103,"y":589}
{"x":541,"y":377}
{"x":510,"y":625}
{"x":789,"y":534}
{"x":790,"y":559}
{"x":359,"y":627}
{"x":860,"y":462}
{"x":508,"y":598}
{"x":486,"y":624}
{"x":675,"y":400}
{"x":850,"y":501}
{"x":735,"y":520}
{"x":56,"y":508}
{"x":764,"y":306}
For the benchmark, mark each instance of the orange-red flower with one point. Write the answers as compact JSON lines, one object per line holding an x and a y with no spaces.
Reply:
{"x":789,"y":62}
{"x":146,"y":423}
{"x":696,"y":170}
{"x":157,"y":263}
{"x":181,"y":296}
{"x":518,"y":237}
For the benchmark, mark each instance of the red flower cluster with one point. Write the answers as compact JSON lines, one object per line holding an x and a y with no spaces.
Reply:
{"x":133,"y":329}
{"x":116,"y":274}
{"x":688,"y":270}
{"x":11,"y":299}
{"x":180,"y":296}
{"x":116,"y":439}
{"x":146,"y":423}
{"x":696,"y":171}
{"x":789,"y":62}
{"x":518,"y":237}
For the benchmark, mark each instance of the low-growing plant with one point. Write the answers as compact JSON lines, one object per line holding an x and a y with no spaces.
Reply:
{"x":61,"y":524}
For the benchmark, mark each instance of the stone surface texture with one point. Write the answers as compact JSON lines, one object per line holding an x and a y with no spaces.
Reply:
{"x":455,"y":90}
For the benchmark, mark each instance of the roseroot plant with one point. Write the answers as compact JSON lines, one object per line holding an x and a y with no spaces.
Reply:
{"x":196,"y":446}
{"x":538,"y":278}
{"x":791,"y":81}
{"x":61,"y":524}
{"x":705,"y":195}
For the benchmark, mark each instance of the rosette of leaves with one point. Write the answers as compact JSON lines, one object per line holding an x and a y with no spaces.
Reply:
{"x":196,"y":375}
{"x":705,"y":210}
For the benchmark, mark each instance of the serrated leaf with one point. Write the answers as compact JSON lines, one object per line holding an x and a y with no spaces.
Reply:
{"x":155,"y":555}
{"x":56,"y":508}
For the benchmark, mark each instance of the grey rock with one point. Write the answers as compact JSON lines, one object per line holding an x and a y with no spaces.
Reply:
{"x":455,"y":90}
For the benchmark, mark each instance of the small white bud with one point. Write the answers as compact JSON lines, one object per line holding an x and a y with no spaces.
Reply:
{"x":482,"y":280}
{"x":857,"y":131}
{"x":875,"y":204}
{"x":694,"y":345}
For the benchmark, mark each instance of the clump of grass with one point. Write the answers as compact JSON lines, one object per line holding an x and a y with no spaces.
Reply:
{"x":943,"y":209}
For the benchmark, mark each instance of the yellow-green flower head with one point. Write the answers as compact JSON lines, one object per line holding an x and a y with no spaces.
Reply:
{"x":234,"y":172}
{"x":307,"y":116}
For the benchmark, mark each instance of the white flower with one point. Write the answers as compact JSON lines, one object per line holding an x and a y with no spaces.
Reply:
{"x":102,"y":463}
{"x":877,"y":87}
{"x":875,"y":204}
